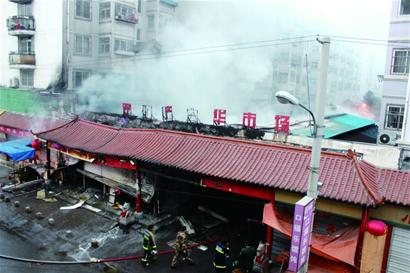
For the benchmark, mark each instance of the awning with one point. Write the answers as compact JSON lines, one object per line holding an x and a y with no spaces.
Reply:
{"x":109,"y":182}
{"x":17,"y":149}
{"x":340,"y":246}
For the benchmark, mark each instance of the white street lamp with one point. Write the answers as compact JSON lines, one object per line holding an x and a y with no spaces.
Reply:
{"x":286,"y":97}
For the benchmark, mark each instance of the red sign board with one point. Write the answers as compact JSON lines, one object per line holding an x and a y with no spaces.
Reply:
{"x":281,"y":124}
{"x":249,"y":120}
{"x":168,"y":109}
{"x":126,"y":108}
{"x":219,"y":116}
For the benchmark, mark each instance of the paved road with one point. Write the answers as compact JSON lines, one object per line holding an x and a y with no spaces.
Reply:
{"x":13,"y":245}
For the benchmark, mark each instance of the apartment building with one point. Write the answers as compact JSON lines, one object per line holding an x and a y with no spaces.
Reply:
{"x":396,"y":74}
{"x":58,"y":44}
{"x":296,"y":68}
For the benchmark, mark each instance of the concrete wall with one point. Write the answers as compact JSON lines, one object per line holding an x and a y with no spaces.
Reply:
{"x":383,"y":156}
{"x":7,"y":43}
{"x":395,"y":85}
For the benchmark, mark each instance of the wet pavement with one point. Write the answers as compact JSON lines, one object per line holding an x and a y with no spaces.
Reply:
{"x":24,"y":235}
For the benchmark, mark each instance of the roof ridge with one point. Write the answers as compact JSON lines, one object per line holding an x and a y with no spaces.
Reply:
{"x":235,"y":140}
{"x":376,"y":196}
{"x":56,"y":128}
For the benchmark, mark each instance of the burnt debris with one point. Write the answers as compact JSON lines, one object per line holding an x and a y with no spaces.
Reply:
{"x":131,"y":121}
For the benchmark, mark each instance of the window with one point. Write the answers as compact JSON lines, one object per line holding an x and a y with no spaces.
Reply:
{"x":394,"y":117}
{"x":105,"y":10}
{"x":125,"y":13}
{"x":104,"y":46}
{"x":151,"y":22}
{"x":83,"y":9}
{"x":123,"y":45}
{"x":82,"y":45}
{"x":25,"y":46}
{"x":282,"y":77}
{"x":79,"y":76}
{"x":26,"y":77}
{"x":138,"y":34}
{"x":139,"y":6}
{"x":405,"y":7}
{"x":24,"y":10}
{"x":401,"y":62}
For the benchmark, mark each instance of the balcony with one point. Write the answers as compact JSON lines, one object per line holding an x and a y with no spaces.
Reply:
{"x":21,"y":1}
{"x":21,"y":25}
{"x":128,"y":19}
{"x":22,"y":60}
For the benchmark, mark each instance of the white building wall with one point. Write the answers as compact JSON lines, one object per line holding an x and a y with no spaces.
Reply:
{"x":7,"y":43}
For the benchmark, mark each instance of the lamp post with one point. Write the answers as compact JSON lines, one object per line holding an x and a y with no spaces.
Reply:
{"x":318,"y":117}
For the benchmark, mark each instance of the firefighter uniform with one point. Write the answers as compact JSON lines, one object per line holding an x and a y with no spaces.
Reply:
{"x":149,"y":246}
{"x":181,"y":249}
{"x":221,"y":255}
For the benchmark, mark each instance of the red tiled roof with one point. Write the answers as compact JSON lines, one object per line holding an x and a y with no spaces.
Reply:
{"x":344,"y":177}
{"x":27,"y":123}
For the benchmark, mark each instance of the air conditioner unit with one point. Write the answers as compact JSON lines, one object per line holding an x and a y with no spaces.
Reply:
{"x":387,"y":137}
{"x":14,"y":83}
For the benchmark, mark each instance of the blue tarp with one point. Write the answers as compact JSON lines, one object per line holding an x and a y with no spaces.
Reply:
{"x":17,"y":149}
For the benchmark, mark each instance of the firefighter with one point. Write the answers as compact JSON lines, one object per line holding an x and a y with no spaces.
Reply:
{"x":181,"y":249}
{"x":246,"y":257}
{"x":221,"y":255}
{"x":149,"y":246}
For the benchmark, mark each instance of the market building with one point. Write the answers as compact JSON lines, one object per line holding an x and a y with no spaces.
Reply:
{"x":255,"y":180}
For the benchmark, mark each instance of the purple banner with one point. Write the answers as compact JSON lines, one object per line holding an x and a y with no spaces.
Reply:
{"x":302,"y":228}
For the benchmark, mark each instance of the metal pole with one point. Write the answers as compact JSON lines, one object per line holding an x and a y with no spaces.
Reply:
{"x":317,"y":141}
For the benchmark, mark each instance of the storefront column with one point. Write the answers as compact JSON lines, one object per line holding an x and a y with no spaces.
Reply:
{"x":48,"y":163}
{"x":387,"y":248}
{"x":138,"y":205}
{"x":359,"y":246}
{"x":269,"y":230}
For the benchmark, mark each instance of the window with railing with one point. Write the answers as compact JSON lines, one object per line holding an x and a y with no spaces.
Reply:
{"x":125,"y":13}
{"x":83,"y":9}
{"x":24,"y":9}
{"x":27,"y":77}
{"x":394,"y":117}
{"x":79,"y":76}
{"x":26,"y":45}
{"x":401,"y":61}
{"x":123,"y":45}
{"x":105,"y":10}
{"x":82,"y":45}
{"x":20,"y":23}
{"x":104,"y":45}
{"x":404,"y":7}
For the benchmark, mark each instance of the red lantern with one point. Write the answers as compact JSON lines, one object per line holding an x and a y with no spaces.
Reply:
{"x":376,"y":227}
{"x":36,"y":144}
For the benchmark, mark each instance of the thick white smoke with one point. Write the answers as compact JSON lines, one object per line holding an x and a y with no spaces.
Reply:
{"x":236,"y":80}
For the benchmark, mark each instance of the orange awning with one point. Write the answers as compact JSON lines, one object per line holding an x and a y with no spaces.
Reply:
{"x":340,"y":246}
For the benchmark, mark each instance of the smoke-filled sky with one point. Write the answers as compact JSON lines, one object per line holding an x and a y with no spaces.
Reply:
{"x":236,"y":77}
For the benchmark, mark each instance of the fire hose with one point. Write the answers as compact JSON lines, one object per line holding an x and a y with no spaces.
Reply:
{"x":95,"y":260}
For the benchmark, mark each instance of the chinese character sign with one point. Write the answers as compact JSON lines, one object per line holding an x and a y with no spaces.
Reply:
{"x":282,"y":124}
{"x":168,"y":109}
{"x":167,"y":114}
{"x":302,"y":228}
{"x":219,"y":116}
{"x":249,"y":120}
{"x":126,"y":108}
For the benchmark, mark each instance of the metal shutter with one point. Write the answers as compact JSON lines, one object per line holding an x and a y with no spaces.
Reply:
{"x":399,"y":256}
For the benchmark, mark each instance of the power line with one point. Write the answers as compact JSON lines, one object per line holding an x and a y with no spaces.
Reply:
{"x":195,"y":51}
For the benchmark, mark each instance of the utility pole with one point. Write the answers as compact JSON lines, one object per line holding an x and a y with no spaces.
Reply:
{"x":318,"y":132}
